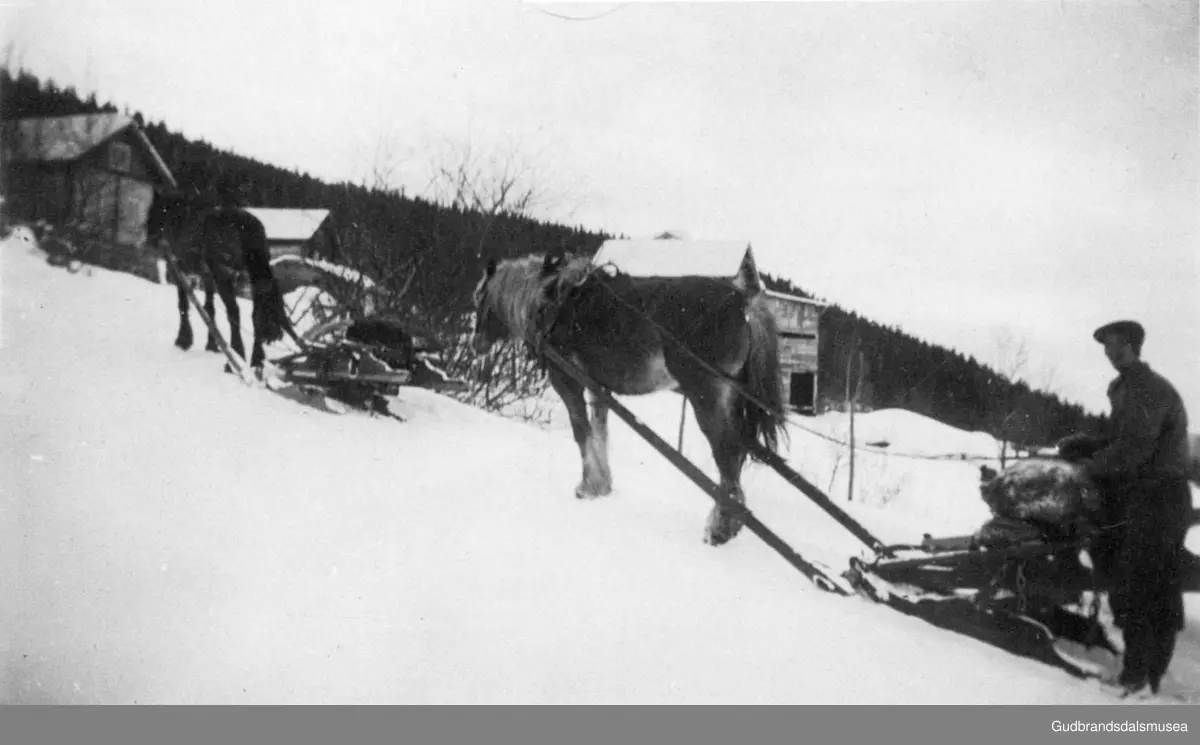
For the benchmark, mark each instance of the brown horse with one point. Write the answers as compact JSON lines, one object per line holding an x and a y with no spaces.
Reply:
{"x":220,"y":243}
{"x":700,"y":336}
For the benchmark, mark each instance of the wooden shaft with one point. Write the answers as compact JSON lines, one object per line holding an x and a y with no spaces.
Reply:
{"x":697,"y":476}
{"x":237,"y":363}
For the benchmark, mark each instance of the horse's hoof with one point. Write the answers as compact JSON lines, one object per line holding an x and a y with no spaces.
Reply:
{"x":583,"y":491}
{"x":183,"y":343}
{"x":212,"y":346}
{"x":722,"y":532}
{"x":718,"y":538}
{"x":715,"y":537}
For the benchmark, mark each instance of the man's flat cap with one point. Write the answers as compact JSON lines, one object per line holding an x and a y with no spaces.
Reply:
{"x":1132,"y":331}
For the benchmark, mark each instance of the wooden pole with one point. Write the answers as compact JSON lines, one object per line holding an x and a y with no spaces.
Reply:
{"x":810,"y":490}
{"x":698,"y":477}
{"x":682,"y":418}
{"x":853,"y":401}
{"x":850,"y":403}
{"x":235,"y":362}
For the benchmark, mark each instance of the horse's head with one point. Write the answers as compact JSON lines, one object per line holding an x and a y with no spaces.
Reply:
{"x":487,"y":328}
{"x":164,"y":217}
{"x":552,"y":274}
{"x":561,"y":274}
{"x":170,"y":211}
{"x":512,"y":297}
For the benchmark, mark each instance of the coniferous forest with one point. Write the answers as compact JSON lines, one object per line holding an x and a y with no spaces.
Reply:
{"x":434,"y":249}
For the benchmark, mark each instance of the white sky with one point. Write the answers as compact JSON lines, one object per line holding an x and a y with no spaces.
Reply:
{"x":954,"y":169}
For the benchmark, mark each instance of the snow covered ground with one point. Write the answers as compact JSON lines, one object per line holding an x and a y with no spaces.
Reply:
{"x":173,"y":536}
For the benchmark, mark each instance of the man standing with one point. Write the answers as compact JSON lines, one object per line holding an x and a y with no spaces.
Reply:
{"x":1141,"y":467}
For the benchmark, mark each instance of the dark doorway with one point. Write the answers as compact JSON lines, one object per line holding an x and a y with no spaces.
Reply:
{"x":801,"y":396}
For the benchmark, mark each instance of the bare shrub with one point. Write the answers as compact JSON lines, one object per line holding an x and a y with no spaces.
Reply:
{"x":505,"y":380}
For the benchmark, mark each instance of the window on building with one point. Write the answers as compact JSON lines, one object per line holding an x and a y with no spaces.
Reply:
{"x":120,"y":157}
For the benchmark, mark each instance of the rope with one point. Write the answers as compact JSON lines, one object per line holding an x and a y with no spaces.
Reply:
{"x":889,"y":453}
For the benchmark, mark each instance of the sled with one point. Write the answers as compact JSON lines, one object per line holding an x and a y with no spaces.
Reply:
{"x":1025,"y":594}
{"x":359,"y":373}
{"x":1012,"y":584}
{"x":342,"y":363}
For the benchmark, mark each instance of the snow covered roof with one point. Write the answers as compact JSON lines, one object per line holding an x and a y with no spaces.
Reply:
{"x":61,"y":137}
{"x":65,"y":138}
{"x":289,"y":224}
{"x":344,"y":273}
{"x":673,"y":258}
{"x":795,"y":298}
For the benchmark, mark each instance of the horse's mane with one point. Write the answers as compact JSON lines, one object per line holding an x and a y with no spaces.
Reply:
{"x":517,"y":291}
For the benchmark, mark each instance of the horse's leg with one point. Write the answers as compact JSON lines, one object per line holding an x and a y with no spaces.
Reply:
{"x":259,"y":322}
{"x":183,"y":339}
{"x":257,"y":355}
{"x":593,"y":484}
{"x":596,"y":451}
{"x":233,"y":313}
{"x":713,"y":403}
{"x":211,"y":309}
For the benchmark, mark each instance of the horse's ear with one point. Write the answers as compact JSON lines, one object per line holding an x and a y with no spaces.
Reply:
{"x":553,"y":262}
{"x":491,"y":267}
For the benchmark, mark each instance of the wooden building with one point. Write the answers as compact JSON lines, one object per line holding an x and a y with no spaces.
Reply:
{"x":799,"y":322}
{"x":798,"y":318}
{"x":92,"y":175}
{"x":304,"y":233}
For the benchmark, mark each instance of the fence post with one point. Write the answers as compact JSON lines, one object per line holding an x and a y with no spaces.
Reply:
{"x":850,"y":404}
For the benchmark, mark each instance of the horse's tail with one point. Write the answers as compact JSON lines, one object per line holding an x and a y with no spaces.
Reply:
{"x":763,"y":413}
{"x":270,"y":312}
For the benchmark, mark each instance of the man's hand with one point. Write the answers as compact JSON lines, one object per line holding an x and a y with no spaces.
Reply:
{"x":1074,"y":448}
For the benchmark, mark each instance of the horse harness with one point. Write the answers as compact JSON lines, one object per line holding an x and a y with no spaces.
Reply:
{"x":665,"y":334}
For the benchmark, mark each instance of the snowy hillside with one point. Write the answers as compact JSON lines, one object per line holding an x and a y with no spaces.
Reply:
{"x":173,"y":536}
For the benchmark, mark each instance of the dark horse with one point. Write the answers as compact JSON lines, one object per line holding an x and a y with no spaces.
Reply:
{"x":703,"y":337}
{"x":220,"y":243}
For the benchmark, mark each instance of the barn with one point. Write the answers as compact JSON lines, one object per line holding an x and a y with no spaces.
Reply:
{"x":798,"y":318}
{"x":799,"y":322}
{"x":92,"y":175}
{"x":304,"y":233}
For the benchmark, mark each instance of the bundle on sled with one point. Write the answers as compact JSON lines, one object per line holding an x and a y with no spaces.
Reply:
{"x":1052,"y":498}
{"x":360,"y":362}
{"x":1020,"y":581}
